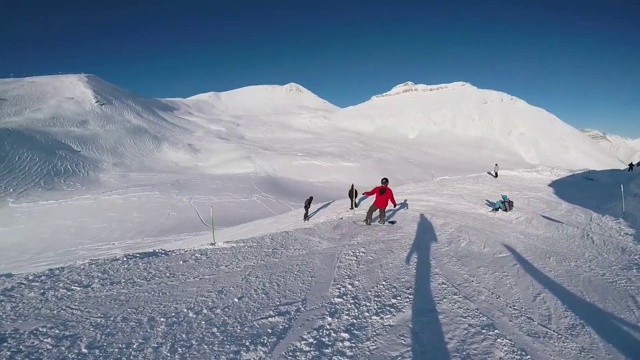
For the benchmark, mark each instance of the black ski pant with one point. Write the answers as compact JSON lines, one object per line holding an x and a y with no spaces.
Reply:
{"x":372,"y":209}
{"x":306,"y":213}
{"x":496,"y":174}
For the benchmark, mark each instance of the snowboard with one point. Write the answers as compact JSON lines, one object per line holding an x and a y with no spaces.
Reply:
{"x":390,"y":222}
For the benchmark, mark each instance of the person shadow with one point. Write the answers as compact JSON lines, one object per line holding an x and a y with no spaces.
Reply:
{"x":490,"y":203}
{"x":324,"y":206}
{"x":427,"y":337}
{"x":362,"y":198}
{"x":621,"y":334}
{"x":391,"y":213}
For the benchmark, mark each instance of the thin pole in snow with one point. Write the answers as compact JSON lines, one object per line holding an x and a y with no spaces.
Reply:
{"x":622,"y":192}
{"x":213,"y":235}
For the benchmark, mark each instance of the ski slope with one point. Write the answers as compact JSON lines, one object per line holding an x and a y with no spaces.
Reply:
{"x":105,"y":229}
{"x":450,"y":280}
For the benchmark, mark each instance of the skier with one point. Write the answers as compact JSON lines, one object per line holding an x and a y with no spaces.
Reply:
{"x":504,"y":204}
{"x":495,"y":170}
{"x":383,"y":196}
{"x":631,"y":165}
{"x":353,"y":195}
{"x":307,"y":205}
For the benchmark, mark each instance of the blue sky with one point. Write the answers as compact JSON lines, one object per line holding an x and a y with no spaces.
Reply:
{"x":578,"y":59}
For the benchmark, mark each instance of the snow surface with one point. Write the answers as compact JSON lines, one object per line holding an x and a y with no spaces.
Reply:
{"x":105,"y":241}
{"x":624,"y":148}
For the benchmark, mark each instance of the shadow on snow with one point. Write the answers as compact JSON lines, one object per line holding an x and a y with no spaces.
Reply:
{"x":324,"y":206}
{"x":600,"y":192}
{"x":609,"y":327}
{"x":427,"y":338}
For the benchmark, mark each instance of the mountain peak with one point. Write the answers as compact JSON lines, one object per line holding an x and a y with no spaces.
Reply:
{"x":411,"y":87}
{"x":294,"y":88}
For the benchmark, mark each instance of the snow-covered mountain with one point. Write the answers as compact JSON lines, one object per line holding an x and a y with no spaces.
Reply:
{"x":60,"y":131}
{"x":93,"y":129}
{"x":624,"y":148}
{"x":463,"y":124}
{"x":109,"y":200}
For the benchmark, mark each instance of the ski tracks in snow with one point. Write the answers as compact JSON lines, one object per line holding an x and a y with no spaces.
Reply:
{"x":336,"y":290}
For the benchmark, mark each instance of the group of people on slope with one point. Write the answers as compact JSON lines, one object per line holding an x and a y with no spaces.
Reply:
{"x":384,"y":195}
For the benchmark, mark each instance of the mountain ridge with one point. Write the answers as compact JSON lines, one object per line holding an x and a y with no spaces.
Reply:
{"x":282,"y":130}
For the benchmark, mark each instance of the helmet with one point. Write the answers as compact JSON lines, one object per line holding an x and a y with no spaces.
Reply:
{"x":384,"y":181}
{"x":504,"y":197}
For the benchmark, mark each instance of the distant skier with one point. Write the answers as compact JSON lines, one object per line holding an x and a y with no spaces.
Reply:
{"x":631,"y":165}
{"x":353,"y":195}
{"x":383,"y":196}
{"x":495,"y":171}
{"x":307,"y":205}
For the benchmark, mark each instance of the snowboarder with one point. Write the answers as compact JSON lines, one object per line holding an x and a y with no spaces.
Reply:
{"x":353,"y":195}
{"x":495,"y":171}
{"x":307,"y":205}
{"x":631,"y":165}
{"x":504,"y":204}
{"x":383,"y":196}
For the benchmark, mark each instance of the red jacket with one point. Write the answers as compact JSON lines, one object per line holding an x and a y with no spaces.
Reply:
{"x":383,"y":196}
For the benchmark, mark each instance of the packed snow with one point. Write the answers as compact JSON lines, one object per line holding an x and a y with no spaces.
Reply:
{"x":106,"y":246}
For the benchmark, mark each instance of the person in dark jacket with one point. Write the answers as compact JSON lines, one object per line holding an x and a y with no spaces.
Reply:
{"x":631,"y":165}
{"x":307,"y":205}
{"x":383,"y":196}
{"x":353,"y":195}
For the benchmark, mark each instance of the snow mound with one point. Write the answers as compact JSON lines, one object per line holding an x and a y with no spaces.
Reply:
{"x":459,"y":122}
{"x":624,"y":148}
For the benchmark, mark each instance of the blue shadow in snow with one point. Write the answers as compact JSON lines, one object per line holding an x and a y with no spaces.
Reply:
{"x":490,"y":203}
{"x":427,"y":337}
{"x":362,"y":198}
{"x":611,"y":328}
{"x":324,"y":206}
{"x":389,"y":214}
{"x":551,"y":219}
{"x":599,"y":191}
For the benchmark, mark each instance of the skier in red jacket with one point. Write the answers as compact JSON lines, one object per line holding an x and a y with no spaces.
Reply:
{"x":383,"y":196}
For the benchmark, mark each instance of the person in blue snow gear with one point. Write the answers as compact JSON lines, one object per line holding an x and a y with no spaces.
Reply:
{"x":383,"y":196}
{"x":353,"y":196}
{"x":504,"y":204}
{"x":307,"y":205}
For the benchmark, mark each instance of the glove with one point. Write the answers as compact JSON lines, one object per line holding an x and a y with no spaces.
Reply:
{"x":394,"y":206}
